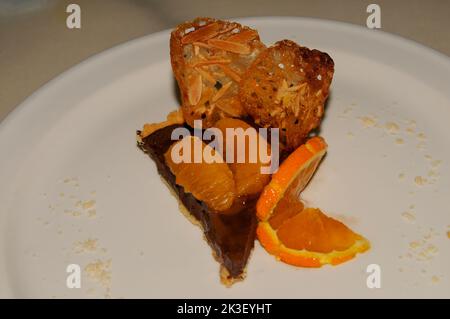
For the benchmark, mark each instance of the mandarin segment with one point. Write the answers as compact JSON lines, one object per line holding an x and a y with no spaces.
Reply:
{"x":211,"y":183}
{"x":247,"y":175}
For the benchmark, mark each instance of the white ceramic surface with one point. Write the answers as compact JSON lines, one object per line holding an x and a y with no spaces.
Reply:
{"x":72,"y":143}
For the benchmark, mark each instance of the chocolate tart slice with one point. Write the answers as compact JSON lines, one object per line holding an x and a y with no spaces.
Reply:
{"x":230,"y":236}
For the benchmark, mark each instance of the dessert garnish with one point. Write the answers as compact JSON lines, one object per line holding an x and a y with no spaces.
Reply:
{"x":296,"y":235}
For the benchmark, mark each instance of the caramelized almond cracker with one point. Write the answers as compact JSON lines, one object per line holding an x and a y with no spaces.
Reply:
{"x":223,"y":51}
{"x":294,"y":82}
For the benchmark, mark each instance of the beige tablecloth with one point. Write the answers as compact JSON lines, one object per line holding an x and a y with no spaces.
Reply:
{"x":35,"y":44}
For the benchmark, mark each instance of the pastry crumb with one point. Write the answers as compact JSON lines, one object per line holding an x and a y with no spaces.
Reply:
{"x":399,"y":141}
{"x":88,"y":204}
{"x":435,"y":279}
{"x":401,"y":176}
{"x":410,"y":130}
{"x":368,"y":121}
{"x":414,"y":244}
{"x":100,"y":271}
{"x":420,"y":181}
{"x":88,"y":245}
{"x":421,"y":136}
{"x":392,"y":127}
{"x":408,"y":216}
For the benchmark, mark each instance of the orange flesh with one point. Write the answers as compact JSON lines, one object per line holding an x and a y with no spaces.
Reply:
{"x":313,"y":231}
{"x":286,"y":208}
{"x":290,"y":205}
{"x":299,"y":236}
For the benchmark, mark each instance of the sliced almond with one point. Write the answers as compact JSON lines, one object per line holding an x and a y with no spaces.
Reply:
{"x":221,"y":92}
{"x":282,"y":90}
{"x":296,"y":87}
{"x":207,"y":94}
{"x":201,"y":45}
{"x":210,"y":62}
{"x":243,"y":36}
{"x":195,"y":86}
{"x":229,"y":46}
{"x":228,"y":108}
{"x":230,"y":73}
{"x":206,"y":75}
{"x":276,"y":111}
{"x":204,"y":33}
{"x":296,"y":105}
{"x":228,"y":29}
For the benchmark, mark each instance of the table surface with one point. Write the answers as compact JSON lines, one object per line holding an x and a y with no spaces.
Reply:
{"x":36,"y":45}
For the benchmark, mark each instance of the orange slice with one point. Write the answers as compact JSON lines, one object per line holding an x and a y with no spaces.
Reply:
{"x":296,"y":170}
{"x":299,"y":236}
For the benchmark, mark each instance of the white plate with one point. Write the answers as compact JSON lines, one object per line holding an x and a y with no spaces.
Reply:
{"x":75,"y":136}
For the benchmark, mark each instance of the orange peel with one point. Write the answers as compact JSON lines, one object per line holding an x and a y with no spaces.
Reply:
{"x":307,"y":238}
